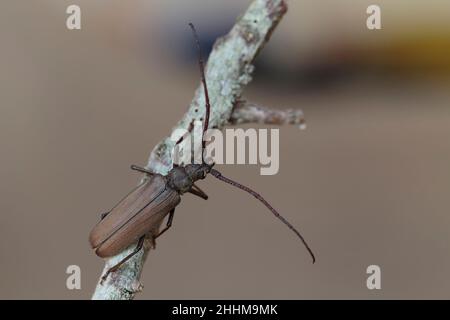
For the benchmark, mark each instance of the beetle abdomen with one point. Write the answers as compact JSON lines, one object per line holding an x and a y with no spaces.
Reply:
{"x":139,"y":213}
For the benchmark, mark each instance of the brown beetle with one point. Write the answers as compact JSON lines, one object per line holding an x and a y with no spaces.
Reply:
{"x":141,"y":212}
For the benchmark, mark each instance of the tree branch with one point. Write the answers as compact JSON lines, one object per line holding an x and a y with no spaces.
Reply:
{"x":249,"y":112}
{"x":228,"y":71}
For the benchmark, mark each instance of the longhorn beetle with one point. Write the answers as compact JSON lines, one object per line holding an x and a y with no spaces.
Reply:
{"x":141,"y":212}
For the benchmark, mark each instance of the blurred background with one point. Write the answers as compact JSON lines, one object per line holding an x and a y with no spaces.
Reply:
{"x":367,"y":182}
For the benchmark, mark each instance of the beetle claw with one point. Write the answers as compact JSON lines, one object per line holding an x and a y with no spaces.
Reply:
{"x":103,"y":279}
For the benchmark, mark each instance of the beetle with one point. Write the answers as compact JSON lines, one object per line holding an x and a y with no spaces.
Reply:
{"x":140,"y":213}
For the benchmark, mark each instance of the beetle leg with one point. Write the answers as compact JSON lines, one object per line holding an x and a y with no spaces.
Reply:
{"x":168,"y":225}
{"x":198,"y":192}
{"x":103,"y":215}
{"x":141,"y":169}
{"x":136,"y":250}
{"x":198,"y":189}
{"x":153,"y":242}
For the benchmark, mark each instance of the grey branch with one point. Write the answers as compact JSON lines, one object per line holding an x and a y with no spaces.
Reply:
{"x":228,"y":71}
{"x":249,"y":112}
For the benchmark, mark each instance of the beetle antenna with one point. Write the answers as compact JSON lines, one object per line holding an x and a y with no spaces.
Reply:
{"x":205,"y":87}
{"x":219,"y":176}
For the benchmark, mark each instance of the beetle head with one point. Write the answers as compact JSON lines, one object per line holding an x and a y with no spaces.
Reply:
{"x":198,"y":171}
{"x":182,"y":178}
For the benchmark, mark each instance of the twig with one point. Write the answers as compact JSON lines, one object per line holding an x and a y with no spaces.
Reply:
{"x":249,"y":112}
{"x":228,"y":71}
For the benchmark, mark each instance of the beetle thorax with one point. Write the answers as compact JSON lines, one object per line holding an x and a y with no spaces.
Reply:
{"x":181,"y":179}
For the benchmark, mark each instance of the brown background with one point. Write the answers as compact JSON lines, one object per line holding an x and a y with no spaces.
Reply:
{"x":367,"y":182}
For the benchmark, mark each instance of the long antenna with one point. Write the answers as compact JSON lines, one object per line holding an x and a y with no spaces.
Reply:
{"x":219,"y":176}
{"x":205,"y":87}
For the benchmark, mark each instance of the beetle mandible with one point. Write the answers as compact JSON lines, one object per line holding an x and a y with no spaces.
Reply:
{"x":141,"y":212}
